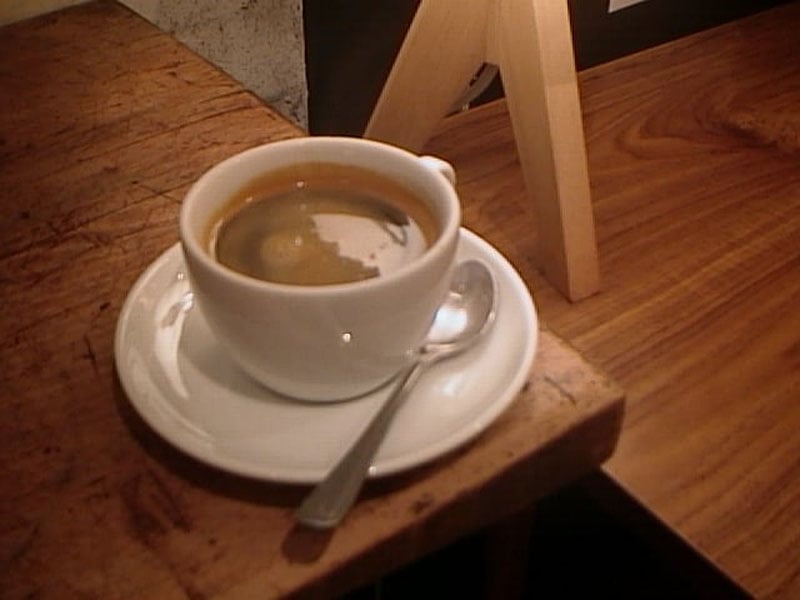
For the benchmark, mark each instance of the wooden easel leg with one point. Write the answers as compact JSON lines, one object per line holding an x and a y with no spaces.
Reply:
{"x":443,"y":49}
{"x":531,"y":42}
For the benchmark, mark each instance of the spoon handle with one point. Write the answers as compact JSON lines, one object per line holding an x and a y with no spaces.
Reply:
{"x":331,"y":498}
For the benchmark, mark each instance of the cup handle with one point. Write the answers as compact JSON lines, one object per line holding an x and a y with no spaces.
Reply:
{"x":440,"y":166}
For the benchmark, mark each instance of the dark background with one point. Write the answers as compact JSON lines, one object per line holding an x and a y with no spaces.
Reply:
{"x":351,"y":44}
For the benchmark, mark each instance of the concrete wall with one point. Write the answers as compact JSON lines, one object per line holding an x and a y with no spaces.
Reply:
{"x":258,"y":42}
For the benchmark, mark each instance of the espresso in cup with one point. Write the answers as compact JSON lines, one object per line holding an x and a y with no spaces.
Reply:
{"x":321,"y":224}
{"x":380,"y":229}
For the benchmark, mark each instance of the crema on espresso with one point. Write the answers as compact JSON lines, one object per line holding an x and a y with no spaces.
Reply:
{"x":321,"y":224}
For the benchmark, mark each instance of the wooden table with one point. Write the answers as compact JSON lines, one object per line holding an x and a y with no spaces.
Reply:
{"x":694,"y":161}
{"x":105,"y":123}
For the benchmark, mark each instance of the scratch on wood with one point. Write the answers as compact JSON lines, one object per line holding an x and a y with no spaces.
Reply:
{"x":170,"y":505}
{"x":422,"y":503}
{"x":24,"y":547}
{"x":566,"y":393}
{"x":90,"y":354}
{"x":152,"y":508}
{"x":159,"y":193}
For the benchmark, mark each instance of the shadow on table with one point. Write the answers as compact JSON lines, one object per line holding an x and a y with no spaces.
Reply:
{"x":588,"y":540}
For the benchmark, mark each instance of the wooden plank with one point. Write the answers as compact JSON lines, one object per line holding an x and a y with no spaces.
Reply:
{"x":531,"y":43}
{"x":442,"y":51}
{"x":692,"y":151}
{"x":108,"y":121}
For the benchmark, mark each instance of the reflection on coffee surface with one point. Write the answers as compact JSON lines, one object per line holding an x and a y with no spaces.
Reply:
{"x":321,"y":224}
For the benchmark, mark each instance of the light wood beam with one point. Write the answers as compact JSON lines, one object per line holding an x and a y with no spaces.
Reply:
{"x":531,"y":42}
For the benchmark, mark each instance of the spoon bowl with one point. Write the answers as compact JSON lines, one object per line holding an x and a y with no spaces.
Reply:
{"x":467,"y":310}
{"x":464,"y":316}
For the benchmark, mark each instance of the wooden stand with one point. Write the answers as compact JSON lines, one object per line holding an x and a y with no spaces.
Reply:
{"x":531,"y":43}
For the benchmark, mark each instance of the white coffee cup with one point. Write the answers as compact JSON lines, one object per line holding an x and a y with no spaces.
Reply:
{"x":321,"y":342}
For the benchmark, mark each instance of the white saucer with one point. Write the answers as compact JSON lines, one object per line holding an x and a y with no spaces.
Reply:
{"x":189,"y":392}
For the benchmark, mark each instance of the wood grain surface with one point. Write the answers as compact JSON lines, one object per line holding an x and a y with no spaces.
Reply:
{"x":105,"y":123}
{"x":694,"y":160}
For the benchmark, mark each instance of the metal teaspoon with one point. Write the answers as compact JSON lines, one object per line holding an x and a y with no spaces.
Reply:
{"x":465,"y":315}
